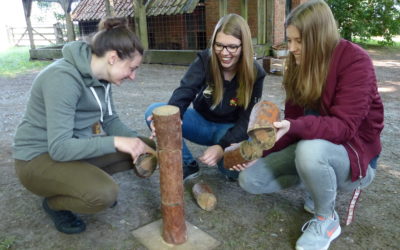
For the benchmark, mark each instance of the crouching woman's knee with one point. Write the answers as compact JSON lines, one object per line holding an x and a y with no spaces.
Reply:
{"x":101,"y":197}
{"x":248,"y":183}
{"x":310,"y":153}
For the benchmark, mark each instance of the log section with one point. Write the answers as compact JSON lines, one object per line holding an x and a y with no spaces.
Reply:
{"x":167,"y":123}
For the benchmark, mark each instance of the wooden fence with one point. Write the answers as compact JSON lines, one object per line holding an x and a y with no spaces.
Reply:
{"x":42,"y":35}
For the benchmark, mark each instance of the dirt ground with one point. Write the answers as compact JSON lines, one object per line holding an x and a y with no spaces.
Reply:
{"x":240,"y":220}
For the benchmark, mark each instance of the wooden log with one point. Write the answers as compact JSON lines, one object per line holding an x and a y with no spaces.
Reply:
{"x":167,"y":123}
{"x":242,"y":153}
{"x":204,"y":196}
{"x":171,"y":176}
{"x":145,"y":165}
{"x":261,"y":128}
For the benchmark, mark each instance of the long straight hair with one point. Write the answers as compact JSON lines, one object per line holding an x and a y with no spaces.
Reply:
{"x":304,"y":83}
{"x":234,"y":25}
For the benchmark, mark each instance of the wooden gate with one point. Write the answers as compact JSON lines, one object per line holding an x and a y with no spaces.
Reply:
{"x":42,"y":35}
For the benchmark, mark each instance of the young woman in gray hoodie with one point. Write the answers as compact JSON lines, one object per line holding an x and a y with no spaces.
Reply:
{"x":71,"y":139}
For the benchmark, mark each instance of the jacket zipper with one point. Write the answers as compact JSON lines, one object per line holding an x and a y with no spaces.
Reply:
{"x":358,"y":159}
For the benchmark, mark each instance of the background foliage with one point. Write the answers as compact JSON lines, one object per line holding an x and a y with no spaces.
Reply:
{"x":367,"y":18}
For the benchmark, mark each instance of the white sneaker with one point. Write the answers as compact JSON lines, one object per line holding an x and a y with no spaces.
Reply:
{"x":318,"y":234}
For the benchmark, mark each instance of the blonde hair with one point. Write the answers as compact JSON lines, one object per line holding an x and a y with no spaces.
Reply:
{"x":234,"y":25}
{"x":305,"y":82}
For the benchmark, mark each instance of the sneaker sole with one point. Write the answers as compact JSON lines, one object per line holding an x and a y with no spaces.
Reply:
{"x":192,"y":176}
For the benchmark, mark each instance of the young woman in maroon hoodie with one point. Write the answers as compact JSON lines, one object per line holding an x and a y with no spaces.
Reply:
{"x":329,"y":139}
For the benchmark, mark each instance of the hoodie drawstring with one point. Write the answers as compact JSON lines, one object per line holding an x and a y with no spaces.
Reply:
{"x":106,"y":99}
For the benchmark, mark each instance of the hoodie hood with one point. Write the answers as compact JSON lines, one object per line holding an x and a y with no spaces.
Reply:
{"x":79,"y":54}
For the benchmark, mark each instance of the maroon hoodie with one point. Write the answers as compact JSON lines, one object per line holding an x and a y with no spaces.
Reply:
{"x":351,"y":112}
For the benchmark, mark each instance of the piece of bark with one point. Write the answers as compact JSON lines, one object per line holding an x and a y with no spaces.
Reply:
{"x":261,"y":128}
{"x":241,"y":153}
{"x":204,"y":196}
{"x":167,"y":123}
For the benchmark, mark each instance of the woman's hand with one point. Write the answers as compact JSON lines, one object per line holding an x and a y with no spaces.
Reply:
{"x":212,"y":155}
{"x":283,"y":127}
{"x":153,"y":129}
{"x":241,"y":167}
{"x":132,"y":145}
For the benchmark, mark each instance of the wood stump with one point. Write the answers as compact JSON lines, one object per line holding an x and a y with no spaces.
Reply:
{"x":167,"y":123}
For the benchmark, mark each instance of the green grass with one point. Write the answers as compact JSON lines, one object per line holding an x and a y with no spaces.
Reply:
{"x":16,"y":61}
{"x":376,"y":43}
{"x":6,"y":243}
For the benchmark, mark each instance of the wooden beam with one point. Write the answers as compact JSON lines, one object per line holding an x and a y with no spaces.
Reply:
{"x":109,"y":7}
{"x":66,"y":6}
{"x":141,"y":22}
{"x":223,"y":8}
{"x":261,"y":21}
{"x":244,"y":6}
{"x":270,"y":22}
{"x":27,"y":9}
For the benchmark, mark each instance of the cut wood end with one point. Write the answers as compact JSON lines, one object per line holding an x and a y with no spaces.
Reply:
{"x":263,"y":135}
{"x":166,"y":110}
{"x":207,"y":201}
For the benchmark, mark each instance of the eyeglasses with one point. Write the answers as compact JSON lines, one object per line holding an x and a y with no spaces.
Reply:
{"x":232,"y":48}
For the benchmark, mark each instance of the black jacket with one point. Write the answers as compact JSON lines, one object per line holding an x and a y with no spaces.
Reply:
{"x":191,"y":89}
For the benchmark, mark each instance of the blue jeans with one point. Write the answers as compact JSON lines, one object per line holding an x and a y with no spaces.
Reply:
{"x":197,"y":129}
{"x":321,"y":166}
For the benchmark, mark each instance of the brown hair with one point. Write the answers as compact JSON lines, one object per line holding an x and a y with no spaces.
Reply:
{"x":234,"y":25}
{"x":304,"y":83}
{"x":114,"y":34}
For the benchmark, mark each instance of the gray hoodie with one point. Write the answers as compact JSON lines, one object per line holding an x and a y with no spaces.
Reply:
{"x":65,"y":103}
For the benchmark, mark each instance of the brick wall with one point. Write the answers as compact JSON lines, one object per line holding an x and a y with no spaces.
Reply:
{"x":279,"y":21}
{"x":212,"y":15}
{"x":278,"y":33}
{"x":295,"y":3}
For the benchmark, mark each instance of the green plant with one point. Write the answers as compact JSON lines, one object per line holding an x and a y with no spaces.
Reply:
{"x":367,"y":18}
{"x":16,"y":61}
{"x":6,"y":243}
